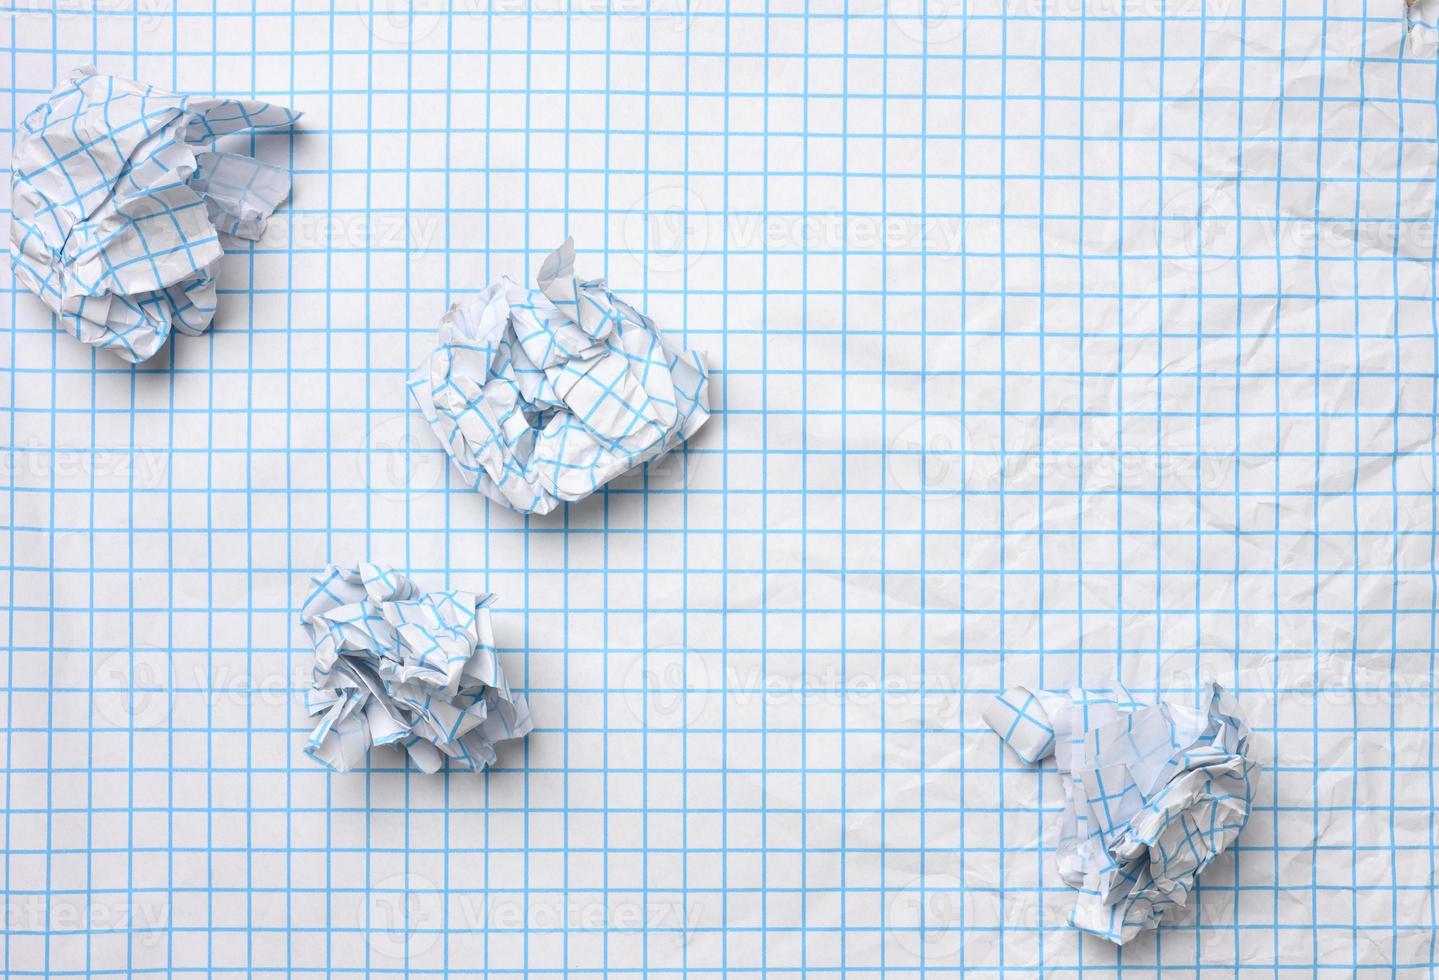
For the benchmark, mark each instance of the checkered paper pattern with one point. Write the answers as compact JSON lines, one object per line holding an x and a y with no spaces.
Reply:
{"x":1152,"y":795}
{"x":1061,"y":344}
{"x":399,"y":668}
{"x":543,"y":396}
{"x":118,"y":211}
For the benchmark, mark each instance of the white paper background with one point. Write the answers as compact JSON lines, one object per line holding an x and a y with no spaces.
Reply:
{"x":1056,"y":343}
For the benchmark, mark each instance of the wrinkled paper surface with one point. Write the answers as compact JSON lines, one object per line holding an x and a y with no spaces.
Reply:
{"x":1153,"y":793}
{"x":398,"y":667}
{"x":1020,"y":388}
{"x":118,"y":202}
{"x":545,"y":395}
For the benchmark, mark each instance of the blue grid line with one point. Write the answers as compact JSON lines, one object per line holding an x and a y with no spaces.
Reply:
{"x":806,"y":551}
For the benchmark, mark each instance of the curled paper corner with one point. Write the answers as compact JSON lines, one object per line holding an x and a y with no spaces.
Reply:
{"x":1153,"y":794}
{"x":1421,"y":26}
{"x":118,"y":200}
{"x":398,"y":667}
{"x":542,"y":396}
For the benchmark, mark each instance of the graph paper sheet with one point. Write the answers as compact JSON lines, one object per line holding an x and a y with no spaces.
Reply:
{"x":1054,"y":344}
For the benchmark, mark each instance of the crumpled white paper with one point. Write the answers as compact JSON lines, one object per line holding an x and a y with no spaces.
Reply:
{"x":118,"y":200}
{"x":1153,"y":793}
{"x":394,"y":666}
{"x":542,"y":396}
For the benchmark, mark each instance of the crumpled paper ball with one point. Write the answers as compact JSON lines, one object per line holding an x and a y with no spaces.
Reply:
{"x":118,"y":199}
{"x":1153,"y":793}
{"x":395,"y":666}
{"x":545,"y":395}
